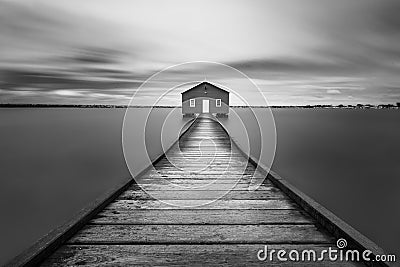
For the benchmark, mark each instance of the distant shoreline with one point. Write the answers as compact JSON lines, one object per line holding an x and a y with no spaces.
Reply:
{"x":358,"y":106}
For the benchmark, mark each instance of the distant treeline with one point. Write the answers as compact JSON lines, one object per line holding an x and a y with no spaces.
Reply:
{"x":358,"y":106}
{"x":75,"y":106}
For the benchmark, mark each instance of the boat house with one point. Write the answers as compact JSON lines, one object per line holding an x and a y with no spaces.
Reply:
{"x":205,"y":98}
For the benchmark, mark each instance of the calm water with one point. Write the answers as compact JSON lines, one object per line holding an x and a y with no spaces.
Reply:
{"x":53,"y":162}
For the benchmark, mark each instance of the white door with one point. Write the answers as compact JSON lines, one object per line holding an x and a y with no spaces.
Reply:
{"x":206,"y":106}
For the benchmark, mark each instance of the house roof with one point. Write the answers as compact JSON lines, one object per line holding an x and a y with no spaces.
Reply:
{"x":206,"y":83}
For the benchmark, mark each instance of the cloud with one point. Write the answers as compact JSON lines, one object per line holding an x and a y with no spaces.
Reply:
{"x":333,"y":92}
{"x":293,"y":65}
{"x":95,"y":55}
{"x":14,"y":78}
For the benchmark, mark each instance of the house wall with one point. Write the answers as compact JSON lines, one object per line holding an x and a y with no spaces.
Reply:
{"x":198,"y":93}
{"x":197,"y":109}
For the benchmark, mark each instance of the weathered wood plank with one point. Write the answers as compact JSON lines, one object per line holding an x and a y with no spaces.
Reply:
{"x":265,"y":185}
{"x":205,"y":148}
{"x":194,"y":170}
{"x":200,"y":145}
{"x":202,"y":204}
{"x":178,"y":175}
{"x":199,"y":138}
{"x":202,"y":217}
{"x":273,"y":193}
{"x":181,"y":255}
{"x":227,"y":168}
{"x":165,"y":172}
{"x":198,"y":182}
{"x":200,"y":234}
{"x":194,"y":157}
{"x":240,"y":164}
{"x":201,"y":160}
{"x":193,"y":186}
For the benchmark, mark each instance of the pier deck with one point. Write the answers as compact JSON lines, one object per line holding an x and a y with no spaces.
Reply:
{"x":140,"y":227}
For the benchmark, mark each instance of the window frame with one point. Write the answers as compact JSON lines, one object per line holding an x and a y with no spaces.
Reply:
{"x":218,"y":102}
{"x":192,"y":103}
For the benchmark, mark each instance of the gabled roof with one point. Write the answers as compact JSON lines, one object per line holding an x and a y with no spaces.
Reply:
{"x":206,"y":83}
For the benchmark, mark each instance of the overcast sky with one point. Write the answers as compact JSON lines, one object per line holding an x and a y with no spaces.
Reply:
{"x":297,"y":52}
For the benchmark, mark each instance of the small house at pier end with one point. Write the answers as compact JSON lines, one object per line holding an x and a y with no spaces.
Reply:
{"x":205,"y":98}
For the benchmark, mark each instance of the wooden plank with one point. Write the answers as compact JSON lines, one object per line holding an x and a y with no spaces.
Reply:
{"x":204,"y":155}
{"x":266,"y":185}
{"x":176,"y":151}
{"x":204,"y":148}
{"x":230,"y":167}
{"x":179,"y":175}
{"x":224,"y":166}
{"x":199,"y":170}
{"x":199,"y":138}
{"x":204,"y":170}
{"x":216,"y":160}
{"x":211,"y":148}
{"x":200,"y":234}
{"x":273,"y":193}
{"x":197,"y":182}
{"x":202,"y":204}
{"x":192,"y":186}
{"x":240,"y":163}
{"x":248,"y":217}
{"x":181,"y":255}
{"x":185,"y":165}
{"x":207,"y":142}
{"x":209,"y":172}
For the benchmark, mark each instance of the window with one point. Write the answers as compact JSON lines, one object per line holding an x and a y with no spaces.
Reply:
{"x":218,"y":103}
{"x":192,"y":103}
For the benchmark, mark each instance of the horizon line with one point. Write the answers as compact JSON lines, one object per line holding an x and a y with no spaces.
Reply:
{"x":11,"y":105}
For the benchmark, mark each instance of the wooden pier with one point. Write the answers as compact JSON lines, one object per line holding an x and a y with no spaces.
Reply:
{"x":154,"y":223}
